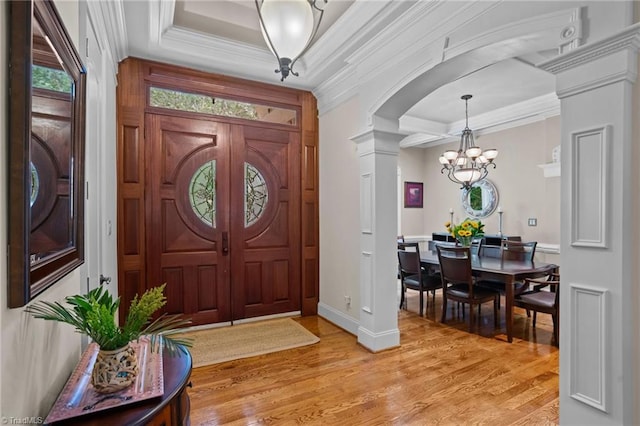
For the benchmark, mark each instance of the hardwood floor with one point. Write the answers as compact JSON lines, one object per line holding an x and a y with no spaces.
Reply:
{"x":440,"y":374}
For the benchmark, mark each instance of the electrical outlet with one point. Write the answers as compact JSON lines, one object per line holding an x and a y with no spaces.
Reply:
{"x":347,"y":300}
{"x":533,"y":221}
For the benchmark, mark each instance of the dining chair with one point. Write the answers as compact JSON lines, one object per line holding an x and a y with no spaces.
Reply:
{"x":458,"y":283}
{"x":399,"y":240}
{"x":476,"y":247}
{"x":542,"y":300}
{"x":518,"y":250}
{"x":511,"y":250}
{"x":414,"y":277}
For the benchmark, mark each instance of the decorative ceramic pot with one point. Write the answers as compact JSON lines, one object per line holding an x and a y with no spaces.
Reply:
{"x":114,"y":370}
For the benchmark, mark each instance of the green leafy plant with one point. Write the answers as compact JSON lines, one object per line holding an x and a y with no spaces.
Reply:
{"x":94,"y":314}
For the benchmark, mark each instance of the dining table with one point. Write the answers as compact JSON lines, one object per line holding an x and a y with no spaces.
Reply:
{"x":495,"y":268}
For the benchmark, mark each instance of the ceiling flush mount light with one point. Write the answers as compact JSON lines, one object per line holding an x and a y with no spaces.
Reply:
{"x":469,"y":164}
{"x":288,"y":26}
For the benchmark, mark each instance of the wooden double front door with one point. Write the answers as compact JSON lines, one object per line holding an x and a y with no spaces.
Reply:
{"x":222,"y":212}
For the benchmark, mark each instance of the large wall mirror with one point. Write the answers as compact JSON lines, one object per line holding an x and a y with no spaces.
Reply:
{"x":481,"y":199}
{"x":46,"y":151}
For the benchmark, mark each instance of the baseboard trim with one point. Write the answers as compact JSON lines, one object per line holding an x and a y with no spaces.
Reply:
{"x":347,"y":323}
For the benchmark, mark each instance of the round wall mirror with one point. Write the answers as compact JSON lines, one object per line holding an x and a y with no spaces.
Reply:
{"x":481,"y":199}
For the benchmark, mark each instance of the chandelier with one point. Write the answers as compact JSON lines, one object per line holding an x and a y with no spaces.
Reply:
{"x":469,"y":163}
{"x":288,"y":26}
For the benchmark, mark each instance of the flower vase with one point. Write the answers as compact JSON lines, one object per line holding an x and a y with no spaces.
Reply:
{"x":114,"y":370}
{"x":464,"y":241}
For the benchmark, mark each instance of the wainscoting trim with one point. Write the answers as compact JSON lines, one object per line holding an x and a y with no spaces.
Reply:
{"x":588,"y":345}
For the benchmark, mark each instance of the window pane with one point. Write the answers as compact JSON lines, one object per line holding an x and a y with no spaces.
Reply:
{"x":255,"y":194}
{"x":35,"y":184}
{"x":192,"y":102}
{"x":202,"y":193}
{"x":49,"y":78}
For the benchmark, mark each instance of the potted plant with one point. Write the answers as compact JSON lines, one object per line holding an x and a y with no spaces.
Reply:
{"x":94,"y":315}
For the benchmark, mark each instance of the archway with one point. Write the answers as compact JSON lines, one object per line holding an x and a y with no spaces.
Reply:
{"x":378,"y":326}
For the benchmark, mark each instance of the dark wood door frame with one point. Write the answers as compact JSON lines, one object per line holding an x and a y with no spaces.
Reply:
{"x":134,"y":78}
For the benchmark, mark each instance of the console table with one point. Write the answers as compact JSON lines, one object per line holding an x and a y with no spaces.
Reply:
{"x":172,"y":408}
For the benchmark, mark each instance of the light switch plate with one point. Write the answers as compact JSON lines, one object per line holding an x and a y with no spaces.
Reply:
{"x":533,"y":221}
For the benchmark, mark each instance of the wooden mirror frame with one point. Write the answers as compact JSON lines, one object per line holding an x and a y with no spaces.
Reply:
{"x":24,"y":280}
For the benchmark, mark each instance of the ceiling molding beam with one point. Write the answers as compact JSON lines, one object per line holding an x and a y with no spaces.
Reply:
{"x":558,"y":21}
{"x":109,"y":17}
{"x":544,"y":106}
{"x":358,"y":23}
{"x":629,"y":37}
{"x":516,"y":115}
{"x":336,"y":89}
{"x":411,"y":124}
{"x":418,"y":140}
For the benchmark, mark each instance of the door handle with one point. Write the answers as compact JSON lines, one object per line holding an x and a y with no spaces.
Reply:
{"x":104,"y":280}
{"x":225,"y":243}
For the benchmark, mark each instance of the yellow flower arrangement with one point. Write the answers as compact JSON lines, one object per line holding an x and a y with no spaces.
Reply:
{"x":466,"y":231}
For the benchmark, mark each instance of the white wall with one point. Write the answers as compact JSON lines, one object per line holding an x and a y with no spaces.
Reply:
{"x":339,"y":216}
{"x":412,"y":163}
{"x":37,"y":356}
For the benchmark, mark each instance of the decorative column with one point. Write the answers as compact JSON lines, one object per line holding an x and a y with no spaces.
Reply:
{"x":378,"y":158}
{"x":599,"y":237}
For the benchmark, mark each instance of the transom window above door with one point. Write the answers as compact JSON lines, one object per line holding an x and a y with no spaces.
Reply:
{"x":195,"y":102}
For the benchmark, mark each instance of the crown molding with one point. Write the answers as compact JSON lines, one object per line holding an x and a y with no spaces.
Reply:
{"x":542,"y":107}
{"x":316,"y":66}
{"x":411,"y":124}
{"x":391,"y":34}
{"x":515,"y":115}
{"x":347,"y":34}
{"x":160,"y":19}
{"x":628,"y":38}
{"x":418,"y":140}
{"x":377,"y":141}
{"x":206,"y":47}
{"x":224,"y":56}
{"x":610,"y":60}
{"x":109,"y":18}
{"x":566,"y":23}
{"x":190,"y":48}
{"x":336,"y":89}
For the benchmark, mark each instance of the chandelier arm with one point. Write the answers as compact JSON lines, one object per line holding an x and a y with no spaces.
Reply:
{"x":273,"y":49}
{"x":465,"y":165}
{"x":314,"y":3}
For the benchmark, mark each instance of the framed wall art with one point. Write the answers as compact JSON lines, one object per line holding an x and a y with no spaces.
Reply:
{"x":413,"y":194}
